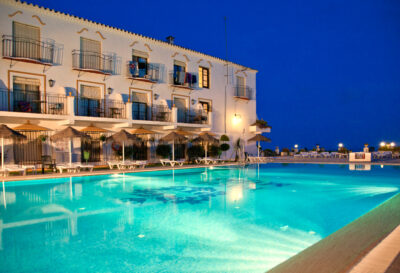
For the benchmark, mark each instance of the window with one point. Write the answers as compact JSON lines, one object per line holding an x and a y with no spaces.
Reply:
{"x":206,"y":106}
{"x":90,"y":57}
{"x":140,"y":66}
{"x":26,"y":42}
{"x":204,"y":77}
{"x":179,"y":72}
{"x":139,"y":106}
{"x":90,"y":102}
{"x":27,"y":96}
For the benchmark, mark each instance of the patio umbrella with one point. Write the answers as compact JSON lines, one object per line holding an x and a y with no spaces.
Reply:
{"x":172,"y":137}
{"x":28,"y":127}
{"x":258,"y":138}
{"x":206,"y":138}
{"x":184,"y":133}
{"x":6,"y":133}
{"x":68,"y":133}
{"x":93,"y":129}
{"x":123,"y":137}
{"x":142,"y":131}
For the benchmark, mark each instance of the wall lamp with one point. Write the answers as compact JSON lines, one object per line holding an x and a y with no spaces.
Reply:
{"x":51,"y":82}
{"x":156,"y":96}
{"x":109,"y":90}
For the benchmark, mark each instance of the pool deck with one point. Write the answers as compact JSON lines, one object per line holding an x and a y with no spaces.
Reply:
{"x":369,"y":244}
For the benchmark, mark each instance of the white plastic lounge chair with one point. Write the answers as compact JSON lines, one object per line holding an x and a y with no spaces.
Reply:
{"x":85,"y":166}
{"x":71,"y":168}
{"x":112,"y":164}
{"x":164,"y":162}
{"x":141,"y":163}
{"x":13,"y":168}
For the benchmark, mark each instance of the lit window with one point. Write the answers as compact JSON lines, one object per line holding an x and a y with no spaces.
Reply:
{"x":204,"y":77}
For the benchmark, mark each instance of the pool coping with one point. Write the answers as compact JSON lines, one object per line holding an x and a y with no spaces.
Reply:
{"x":341,"y":251}
{"x":108,"y":171}
{"x":167,"y":168}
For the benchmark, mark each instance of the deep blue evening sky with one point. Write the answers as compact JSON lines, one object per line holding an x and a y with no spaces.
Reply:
{"x":329,"y":71}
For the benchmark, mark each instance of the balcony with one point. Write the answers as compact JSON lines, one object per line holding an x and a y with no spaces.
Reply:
{"x":243,"y":92}
{"x":32,"y":102}
{"x":100,"y":108}
{"x":151,"y":72}
{"x":193,"y":117}
{"x":28,"y":50}
{"x":183,"y":80}
{"x":154,"y":113}
{"x":86,"y":61}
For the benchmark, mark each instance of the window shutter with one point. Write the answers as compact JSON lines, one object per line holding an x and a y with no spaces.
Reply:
{"x":141,"y":54}
{"x":91,"y":92}
{"x":139,"y":97}
{"x":26,"y":31}
{"x":88,"y":45}
{"x":28,"y":81}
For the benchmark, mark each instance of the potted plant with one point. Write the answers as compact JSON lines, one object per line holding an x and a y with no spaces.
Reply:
{"x":42,"y":138}
{"x":103,"y":138}
{"x":86,"y":155}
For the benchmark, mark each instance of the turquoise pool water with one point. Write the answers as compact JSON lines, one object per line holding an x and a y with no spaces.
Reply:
{"x":221,"y":219}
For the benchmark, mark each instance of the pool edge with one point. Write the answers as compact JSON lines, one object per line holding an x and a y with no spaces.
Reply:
{"x":343,"y":249}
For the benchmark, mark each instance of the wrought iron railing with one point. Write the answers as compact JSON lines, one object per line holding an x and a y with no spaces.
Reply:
{"x":244,"y":92}
{"x":99,"y":108}
{"x":160,"y":113}
{"x":93,"y":61}
{"x":150,"y":71}
{"x":45,"y":51}
{"x":197,"y":117}
{"x":32,"y":102}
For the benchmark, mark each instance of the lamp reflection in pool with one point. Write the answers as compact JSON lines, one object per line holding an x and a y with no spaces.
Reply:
{"x":235,"y":193}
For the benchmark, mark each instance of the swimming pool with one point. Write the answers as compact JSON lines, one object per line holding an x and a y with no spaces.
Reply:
{"x":218,"y":219}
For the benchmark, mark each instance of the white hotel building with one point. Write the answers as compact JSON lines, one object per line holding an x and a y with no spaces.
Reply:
{"x":57,"y":70}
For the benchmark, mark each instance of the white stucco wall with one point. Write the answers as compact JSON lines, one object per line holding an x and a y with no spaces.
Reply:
{"x":64,"y":30}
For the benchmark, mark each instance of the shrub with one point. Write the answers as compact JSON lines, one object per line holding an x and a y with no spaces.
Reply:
{"x":224,"y":147}
{"x":224,"y":138}
{"x":195,"y":151}
{"x":103,"y":138}
{"x":214,"y":151}
{"x":163,"y":150}
{"x":269,"y":152}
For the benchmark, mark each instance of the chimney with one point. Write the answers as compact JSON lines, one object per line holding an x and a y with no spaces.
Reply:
{"x":170,"y":40}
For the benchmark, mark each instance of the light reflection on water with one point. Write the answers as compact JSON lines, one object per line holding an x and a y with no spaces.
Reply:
{"x":210,"y":220}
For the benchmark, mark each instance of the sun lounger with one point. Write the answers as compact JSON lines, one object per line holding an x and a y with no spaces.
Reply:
{"x":112,"y":164}
{"x":71,"y":168}
{"x":13,"y":168}
{"x":164,"y":162}
{"x":85,"y":166}
{"x":141,"y":163}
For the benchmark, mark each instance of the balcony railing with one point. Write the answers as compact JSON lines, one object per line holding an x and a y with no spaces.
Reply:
{"x":96,"y":62}
{"x":100,"y":108}
{"x":154,"y":113}
{"x":43,"y":52}
{"x":150,"y":72}
{"x":184,"y":79}
{"x":196,"y":117}
{"x":243,"y":92}
{"x":32,"y":102}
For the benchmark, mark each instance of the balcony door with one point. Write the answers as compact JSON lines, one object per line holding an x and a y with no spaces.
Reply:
{"x":26,"y":41}
{"x":26,"y":95}
{"x":181,"y":105}
{"x":139,"y":106}
{"x":90,"y":56}
{"x":90,"y":101}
